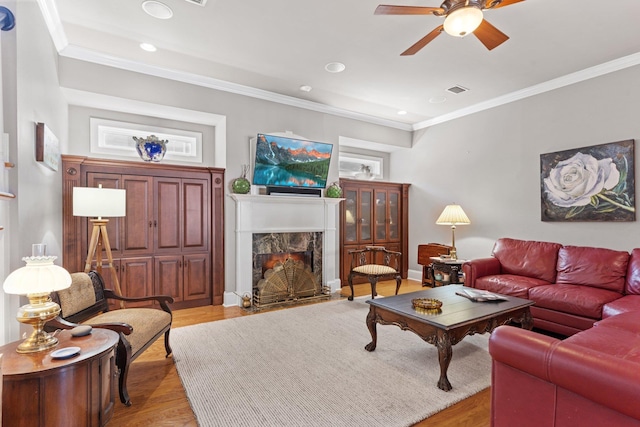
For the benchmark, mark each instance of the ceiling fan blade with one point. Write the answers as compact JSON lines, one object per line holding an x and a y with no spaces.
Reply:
{"x":503,"y":3}
{"x":423,"y":41}
{"x":490,"y":36}
{"x":385,"y":9}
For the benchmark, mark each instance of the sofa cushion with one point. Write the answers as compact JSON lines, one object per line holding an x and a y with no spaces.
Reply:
{"x":627,"y":303}
{"x":509,"y":284}
{"x":596,"y":267}
{"x":632,"y":285}
{"x":146,"y":323}
{"x":574,"y":299}
{"x":527,"y":258}
{"x":629,"y":321}
{"x":614,"y":341}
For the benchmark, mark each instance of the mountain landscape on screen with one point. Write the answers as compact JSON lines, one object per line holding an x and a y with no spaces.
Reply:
{"x":288,"y":162}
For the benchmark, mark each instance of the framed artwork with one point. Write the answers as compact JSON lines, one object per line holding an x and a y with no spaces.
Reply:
{"x":593,"y":183}
{"x":47,"y":147}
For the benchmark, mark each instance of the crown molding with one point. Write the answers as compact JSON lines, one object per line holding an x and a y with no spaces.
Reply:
{"x":566,"y":80}
{"x":54,"y":24}
{"x":75,"y":52}
{"x":56,"y":30}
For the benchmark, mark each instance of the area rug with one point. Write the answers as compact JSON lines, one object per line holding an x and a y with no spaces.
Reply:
{"x":307,"y":366}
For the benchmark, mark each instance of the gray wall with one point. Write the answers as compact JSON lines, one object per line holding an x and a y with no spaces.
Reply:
{"x":489,"y":163}
{"x":245,"y":118}
{"x":31,"y":95}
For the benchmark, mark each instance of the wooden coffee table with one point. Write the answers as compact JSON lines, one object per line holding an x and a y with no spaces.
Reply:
{"x":457,"y":318}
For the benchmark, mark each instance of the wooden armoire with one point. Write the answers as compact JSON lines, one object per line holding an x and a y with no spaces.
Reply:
{"x":373,"y":213}
{"x":171,"y":240}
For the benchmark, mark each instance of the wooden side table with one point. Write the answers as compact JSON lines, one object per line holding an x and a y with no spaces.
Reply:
{"x":425,"y":252}
{"x":41,"y":391}
{"x":449,"y":266}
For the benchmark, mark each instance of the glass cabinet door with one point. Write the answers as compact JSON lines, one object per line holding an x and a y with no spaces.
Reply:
{"x":394,"y":216}
{"x":351,"y":216}
{"x":381,"y":215}
{"x":366,"y":214}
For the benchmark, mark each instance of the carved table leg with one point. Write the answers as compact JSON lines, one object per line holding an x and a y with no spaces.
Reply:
{"x":371,"y":324}
{"x":444,"y":357}
{"x":527,"y":320}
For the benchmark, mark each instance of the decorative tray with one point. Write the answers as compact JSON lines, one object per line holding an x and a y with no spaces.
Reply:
{"x":426,"y":303}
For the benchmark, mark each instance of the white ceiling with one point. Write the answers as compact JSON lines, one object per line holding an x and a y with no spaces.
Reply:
{"x":268,"y":49}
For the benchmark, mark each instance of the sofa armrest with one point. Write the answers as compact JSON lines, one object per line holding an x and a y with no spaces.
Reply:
{"x":601,"y":378}
{"x":608,"y":380}
{"x":60,"y":323}
{"x":163,"y":300}
{"x":477,"y":268}
{"x":521,"y":349}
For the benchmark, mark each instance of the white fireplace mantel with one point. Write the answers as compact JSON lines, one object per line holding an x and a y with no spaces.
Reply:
{"x":283,"y":214}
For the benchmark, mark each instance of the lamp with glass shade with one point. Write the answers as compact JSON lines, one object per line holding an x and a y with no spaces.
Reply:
{"x":37,"y":280}
{"x":463,"y":21}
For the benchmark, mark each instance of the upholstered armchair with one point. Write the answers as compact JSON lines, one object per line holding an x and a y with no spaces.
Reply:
{"x":375,"y":263}
{"x":86,"y":302}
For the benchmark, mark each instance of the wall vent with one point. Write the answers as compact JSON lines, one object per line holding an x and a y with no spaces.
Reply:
{"x":457,"y":89}
{"x":198,"y":2}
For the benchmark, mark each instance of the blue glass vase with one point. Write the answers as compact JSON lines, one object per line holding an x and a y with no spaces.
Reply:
{"x":151,"y":149}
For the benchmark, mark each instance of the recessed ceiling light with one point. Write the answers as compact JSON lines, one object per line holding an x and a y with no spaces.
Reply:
{"x":157,"y":9}
{"x":335,"y":67}
{"x":402,"y":113}
{"x":148,"y":47}
{"x":305,"y":88}
{"x":437,"y":99}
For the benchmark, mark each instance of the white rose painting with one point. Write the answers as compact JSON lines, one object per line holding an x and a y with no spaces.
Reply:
{"x":589,"y":184}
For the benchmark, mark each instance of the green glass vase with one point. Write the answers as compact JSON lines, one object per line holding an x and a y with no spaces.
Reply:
{"x":241,"y":185}
{"x":334,"y":191}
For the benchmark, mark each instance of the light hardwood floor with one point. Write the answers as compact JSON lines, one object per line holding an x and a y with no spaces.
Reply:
{"x":159,"y":399}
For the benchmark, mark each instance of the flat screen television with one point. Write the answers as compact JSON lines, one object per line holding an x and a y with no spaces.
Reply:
{"x":287,"y":162}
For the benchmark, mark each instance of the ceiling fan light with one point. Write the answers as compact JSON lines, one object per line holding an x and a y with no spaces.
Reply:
{"x":463,"y":21}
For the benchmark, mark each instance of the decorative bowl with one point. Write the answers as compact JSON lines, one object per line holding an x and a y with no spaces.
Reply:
{"x":426,"y":303}
{"x":151,"y":148}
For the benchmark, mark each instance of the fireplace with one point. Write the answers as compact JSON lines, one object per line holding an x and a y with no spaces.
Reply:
{"x":287,"y":268}
{"x":284,"y":224}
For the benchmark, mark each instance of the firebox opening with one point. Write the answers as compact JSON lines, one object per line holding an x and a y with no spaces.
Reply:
{"x":267,"y":261}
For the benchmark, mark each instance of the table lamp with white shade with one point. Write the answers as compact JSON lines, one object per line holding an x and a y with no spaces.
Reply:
{"x":37,"y":280}
{"x":453,"y":215}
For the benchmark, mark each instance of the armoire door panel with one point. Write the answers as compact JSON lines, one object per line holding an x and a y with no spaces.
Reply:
{"x":138,"y":225}
{"x":196,"y":276}
{"x":136,"y":279}
{"x":167,"y":208}
{"x":168,"y":276}
{"x":196,"y":218}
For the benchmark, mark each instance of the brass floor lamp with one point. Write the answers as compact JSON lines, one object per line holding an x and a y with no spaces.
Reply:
{"x":100,"y":202}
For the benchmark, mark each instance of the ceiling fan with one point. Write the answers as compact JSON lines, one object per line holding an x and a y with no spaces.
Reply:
{"x":462,"y":17}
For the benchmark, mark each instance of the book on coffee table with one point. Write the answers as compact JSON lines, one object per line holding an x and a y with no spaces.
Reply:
{"x":479,"y":295}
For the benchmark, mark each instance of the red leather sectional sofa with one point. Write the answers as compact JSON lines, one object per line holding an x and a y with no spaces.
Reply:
{"x":573,"y":286}
{"x":592,"y":378}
